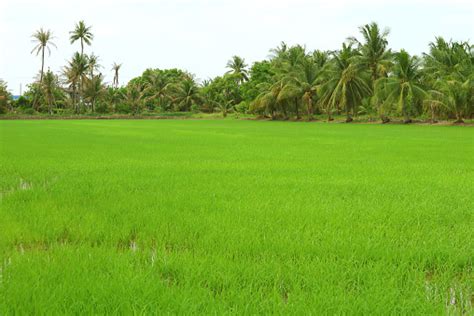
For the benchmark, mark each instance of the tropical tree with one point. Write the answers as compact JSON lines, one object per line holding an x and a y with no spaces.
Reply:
{"x":43,"y":40}
{"x":75,"y":74}
{"x":49,"y":85}
{"x":156,"y":88}
{"x":94,"y":90}
{"x":134,"y":97}
{"x":93,"y":63}
{"x":374,"y":53}
{"x":113,"y":96}
{"x":345,"y":83}
{"x":238,"y":67}
{"x":403,"y":87}
{"x":83,"y":34}
{"x":5,"y":97}
{"x":115,"y":68}
{"x":224,"y":107}
{"x":184,"y":94}
{"x":449,"y":68}
{"x":271,"y":100}
{"x":260,"y":72}
{"x":303,"y":81}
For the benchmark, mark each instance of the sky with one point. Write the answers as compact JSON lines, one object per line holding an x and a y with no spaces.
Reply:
{"x":200,"y":36}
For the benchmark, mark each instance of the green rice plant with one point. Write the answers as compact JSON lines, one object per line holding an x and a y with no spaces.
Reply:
{"x":235,"y":217}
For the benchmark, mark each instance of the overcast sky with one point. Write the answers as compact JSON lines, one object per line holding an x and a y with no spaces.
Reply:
{"x":201,"y":35}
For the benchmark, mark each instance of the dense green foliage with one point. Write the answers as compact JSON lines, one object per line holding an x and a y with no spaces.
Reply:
{"x":364,"y":77}
{"x":223,"y":216}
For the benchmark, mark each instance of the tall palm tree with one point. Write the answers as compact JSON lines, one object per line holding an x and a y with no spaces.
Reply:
{"x":238,"y":67}
{"x":49,"y":85}
{"x":76,"y":74}
{"x":303,"y":79}
{"x":279,"y":52}
{"x":449,"y":67}
{"x":134,"y":96}
{"x":271,"y":100}
{"x":94,"y":65}
{"x":289,"y":65}
{"x":83,"y":34}
{"x":345,"y":83}
{"x":184,"y":94}
{"x":403,"y":87}
{"x":156,"y":88}
{"x":374,"y":52}
{"x":113,"y":96}
{"x":115,"y":69}
{"x":43,"y":40}
{"x":94,"y":89}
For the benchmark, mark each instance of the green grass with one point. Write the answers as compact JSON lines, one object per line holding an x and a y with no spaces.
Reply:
{"x":228,"y":216}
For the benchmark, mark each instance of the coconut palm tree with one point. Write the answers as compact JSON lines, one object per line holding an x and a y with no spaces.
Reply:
{"x":93,"y":63}
{"x":76,"y":74}
{"x":271,"y":100}
{"x":403,"y":87}
{"x":184,"y":94}
{"x":345,"y":83}
{"x":113,"y":96}
{"x":93,"y":90}
{"x":238,"y":67}
{"x":83,"y":34}
{"x":449,"y":68}
{"x":225,"y":106}
{"x":134,"y":96}
{"x":43,"y":40}
{"x":279,"y":52}
{"x":115,"y":69}
{"x":49,"y":85}
{"x":374,"y":53}
{"x":156,"y":88}
{"x":303,"y":81}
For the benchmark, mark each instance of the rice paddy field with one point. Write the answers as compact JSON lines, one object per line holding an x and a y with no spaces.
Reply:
{"x":235,"y":217}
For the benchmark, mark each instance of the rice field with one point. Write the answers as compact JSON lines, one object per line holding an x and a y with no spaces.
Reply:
{"x":235,"y":217}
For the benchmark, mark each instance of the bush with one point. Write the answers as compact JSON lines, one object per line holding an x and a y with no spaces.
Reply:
{"x":29,"y":111}
{"x":101,"y":108}
{"x":195,"y":108}
{"x":123,"y":108}
{"x":242,"y":107}
{"x":23,"y":102}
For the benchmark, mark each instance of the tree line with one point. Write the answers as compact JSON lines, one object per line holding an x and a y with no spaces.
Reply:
{"x":362,"y":78}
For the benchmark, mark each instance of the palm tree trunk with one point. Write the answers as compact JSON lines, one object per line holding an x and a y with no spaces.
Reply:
{"x":348,"y":117}
{"x":73,"y":98}
{"x":433,"y":116}
{"x":82,"y":48}
{"x":329,"y":114}
{"x":35,"y":101}
{"x":406,"y":116}
{"x":42,"y":65}
{"x":310,"y":109}
{"x":458,"y":117}
{"x":296,"y":109}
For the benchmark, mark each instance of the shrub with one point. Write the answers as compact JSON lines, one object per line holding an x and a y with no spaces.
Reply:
{"x":195,"y":108}
{"x":242,"y":107}
{"x":29,"y":111}
{"x":123,"y":108}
